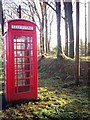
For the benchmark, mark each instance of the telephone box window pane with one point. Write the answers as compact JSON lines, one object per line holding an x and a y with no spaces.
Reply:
{"x":21,"y":67}
{"x":15,"y":53}
{"x":31,"y":53}
{"x":15,"y":46}
{"x":23,"y":88}
{"x":15,"y":39}
{"x":20,"y":53}
{"x":23,"y":74}
{"x":21,"y":82}
{"x":20,"y":46}
{"x":20,"y":75}
{"x":21,"y":60}
{"x":15,"y":59}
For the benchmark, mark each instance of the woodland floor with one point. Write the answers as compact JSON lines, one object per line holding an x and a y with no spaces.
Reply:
{"x":58,"y":96}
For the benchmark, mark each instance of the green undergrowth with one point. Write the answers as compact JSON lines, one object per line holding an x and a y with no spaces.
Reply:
{"x":58,"y":96}
{"x":55,"y":102}
{"x":55,"y":68}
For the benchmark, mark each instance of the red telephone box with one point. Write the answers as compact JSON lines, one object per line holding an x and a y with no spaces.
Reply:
{"x":20,"y":60}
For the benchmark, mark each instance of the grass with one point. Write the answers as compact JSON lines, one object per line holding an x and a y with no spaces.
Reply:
{"x":58,"y":98}
{"x":55,"y":102}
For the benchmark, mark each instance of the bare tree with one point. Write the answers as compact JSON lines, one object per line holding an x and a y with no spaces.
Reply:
{"x":50,"y":31}
{"x":57,"y":9}
{"x":42,"y":27}
{"x":69,"y":19}
{"x":85,"y":31}
{"x":71,"y":31}
{"x":88,"y":80}
{"x":66,"y":28}
{"x":77,"y":45}
{"x":46,"y":29}
{"x":58,"y":15}
{"x":0,"y":12}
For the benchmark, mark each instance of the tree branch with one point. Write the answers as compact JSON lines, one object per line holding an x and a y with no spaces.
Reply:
{"x":50,"y":6}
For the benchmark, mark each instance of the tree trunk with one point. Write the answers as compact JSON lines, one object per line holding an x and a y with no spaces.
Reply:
{"x":88,"y":74}
{"x":50,"y":32}
{"x":66,"y":38}
{"x":46,"y":28}
{"x":88,"y":80}
{"x":41,"y":51}
{"x":42,"y":38}
{"x":58,"y":16}
{"x":85,"y":32}
{"x":77,"y":45}
{"x":42,"y":28}
{"x":71,"y":32}
{"x":0,"y":12}
{"x":49,"y":38}
{"x":66,"y":29}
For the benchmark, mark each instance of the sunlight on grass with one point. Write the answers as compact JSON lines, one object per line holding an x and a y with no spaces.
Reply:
{"x":1,"y":76}
{"x":1,"y":92}
{"x":54,"y":102}
{"x":56,"y":98}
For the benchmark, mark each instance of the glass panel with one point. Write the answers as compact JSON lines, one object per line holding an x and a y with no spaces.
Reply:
{"x":20,"y":75}
{"x":20,"y":67}
{"x":23,"y":63}
{"x":21,"y":82}
{"x":23,"y":88}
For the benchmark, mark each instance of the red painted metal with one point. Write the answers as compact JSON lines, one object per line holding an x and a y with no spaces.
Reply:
{"x":21,"y":77}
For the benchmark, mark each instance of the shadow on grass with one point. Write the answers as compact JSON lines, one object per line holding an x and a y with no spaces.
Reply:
{"x":3,"y":102}
{"x":5,"y":105}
